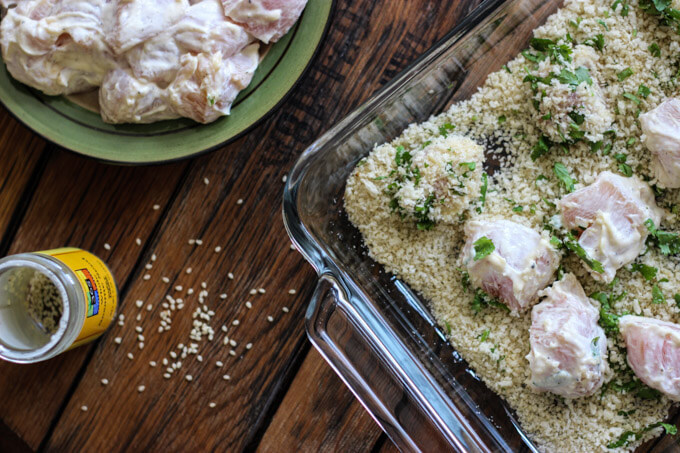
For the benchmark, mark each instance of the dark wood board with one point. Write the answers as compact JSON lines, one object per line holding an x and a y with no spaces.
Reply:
{"x":55,"y":198}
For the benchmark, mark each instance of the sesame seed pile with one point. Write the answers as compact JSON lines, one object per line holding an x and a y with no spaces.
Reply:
{"x":633,"y":66}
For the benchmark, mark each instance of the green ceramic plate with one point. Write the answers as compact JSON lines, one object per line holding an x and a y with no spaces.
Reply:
{"x":75,"y":128}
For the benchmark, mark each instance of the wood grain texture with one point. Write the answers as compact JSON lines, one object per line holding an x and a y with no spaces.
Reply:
{"x":319,"y":414}
{"x":85,"y":204}
{"x":81,"y":203}
{"x":20,"y":151}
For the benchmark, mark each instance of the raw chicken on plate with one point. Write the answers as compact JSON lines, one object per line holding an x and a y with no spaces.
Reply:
{"x":568,"y":347}
{"x":521,"y":264}
{"x":267,"y":20}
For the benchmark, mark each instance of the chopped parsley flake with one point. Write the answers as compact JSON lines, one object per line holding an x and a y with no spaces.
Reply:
{"x":632,"y":97}
{"x":648,"y":272}
{"x":482,"y":196}
{"x":623,"y":75}
{"x":483,"y":336}
{"x":571,"y":243}
{"x":563,"y":175}
{"x":668,"y":243}
{"x":657,"y":295}
{"x":629,"y":436}
{"x":483,"y":248}
{"x":643,"y":91}
{"x":445,"y":129}
{"x":655,"y":50}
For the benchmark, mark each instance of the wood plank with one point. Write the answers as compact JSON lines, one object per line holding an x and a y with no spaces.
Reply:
{"x":85,"y":204}
{"x":319,"y":413}
{"x":175,"y":414}
{"x":20,"y":150}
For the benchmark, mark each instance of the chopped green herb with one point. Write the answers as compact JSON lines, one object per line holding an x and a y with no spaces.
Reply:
{"x":632,"y":97}
{"x":482,"y":196}
{"x":563,"y":175}
{"x":448,"y":327}
{"x":507,"y":69}
{"x":648,"y":272}
{"x":470,"y":165}
{"x":483,"y":336}
{"x":601,"y":22}
{"x":643,"y":91}
{"x":541,"y":148}
{"x":657,"y":295}
{"x":482,"y":300}
{"x":676,"y":298}
{"x":629,"y":436}
{"x":502,"y":119}
{"x":445,"y":129}
{"x":518,"y":209}
{"x":596,"y":42}
{"x":655,"y":50}
{"x":668,"y":243}
{"x":580,"y":75}
{"x":623,"y":75}
{"x":483,"y":248}
{"x":571,"y":243}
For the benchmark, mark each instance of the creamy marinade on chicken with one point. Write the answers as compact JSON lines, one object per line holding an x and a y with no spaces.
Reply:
{"x":151,"y":60}
{"x":587,"y":355}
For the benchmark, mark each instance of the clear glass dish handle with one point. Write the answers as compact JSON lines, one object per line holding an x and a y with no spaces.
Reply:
{"x":338,"y":326}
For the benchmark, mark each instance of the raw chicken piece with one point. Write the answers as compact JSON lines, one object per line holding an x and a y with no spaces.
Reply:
{"x":661,"y":129}
{"x":568,"y":347}
{"x":521,"y":264}
{"x":653,"y":352}
{"x":267,"y":20}
{"x":123,"y":99}
{"x":203,"y":29}
{"x":56,"y":46}
{"x":134,"y":21}
{"x":611,"y":212}
{"x":206,"y":85}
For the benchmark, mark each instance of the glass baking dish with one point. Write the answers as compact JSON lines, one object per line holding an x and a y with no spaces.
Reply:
{"x":375,"y":332}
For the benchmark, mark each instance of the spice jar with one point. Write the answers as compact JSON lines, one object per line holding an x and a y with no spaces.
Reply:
{"x":53,"y":301}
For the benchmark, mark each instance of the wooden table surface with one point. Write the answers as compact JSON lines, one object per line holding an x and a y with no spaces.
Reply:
{"x":281,"y":395}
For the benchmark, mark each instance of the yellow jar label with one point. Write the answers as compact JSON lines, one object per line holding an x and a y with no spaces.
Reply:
{"x":98,"y":287}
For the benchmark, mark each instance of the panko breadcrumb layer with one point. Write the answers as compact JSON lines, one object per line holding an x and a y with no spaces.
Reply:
{"x":525,"y":191}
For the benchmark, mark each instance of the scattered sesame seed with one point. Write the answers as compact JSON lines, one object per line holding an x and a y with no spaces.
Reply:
{"x":178,"y":288}
{"x":140,"y":337}
{"x":232,"y":353}
{"x":291,"y":291}
{"x":249,"y":345}
{"x":152,"y":364}
{"x":199,"y":358}
{"x":156,"y":207}
{"x":204,"y":285}
{"x":167,"y":375}
{"x":223,"y":296}
{"x":138,"y":241}
{"x":285,"y":178}
{"x":285,"y":309}
{"x":230,"y":275}
{"x":153,"y":257}
{"x":121,"y":317}
{"x":148,"y":266}
{"x":105,"y":382}
{"x":236,"y":322}
{"x":141,"y":345}
{"x":224,"y":328}
{"x":219,"y":364}
{"x":149,"y":307}
{"x":233,"y":343}
{"x":139,"y":329}
{"x":188,"y":271}
{"x":270,"y":319}
{"x":226,"y":377}
{"x":249,"y":305}
{"x":107,"y":246}
{"x":189,"y":377}
{"x":239,"y":201}
{"x":206,"y":181}
{"x":83,"y":408}
{"x":292,"y":246}
{"x":118,"y":340}
{"x":199,"y":242}
{"x":165,"y":279}
{"x":212,"y":405}
{"x":173,"y":354}
{"x":253,"y":292}
{"x":192,"y":241}
{"x":218,"y":249}
{"x":141,"y":388}
{"x":139,"y":303}
{"x":130,"y":356}
{"x":138,"y":317}
{"x":147,"y":277}
{"x":165,"y":362}
{"x":261,"y":291}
